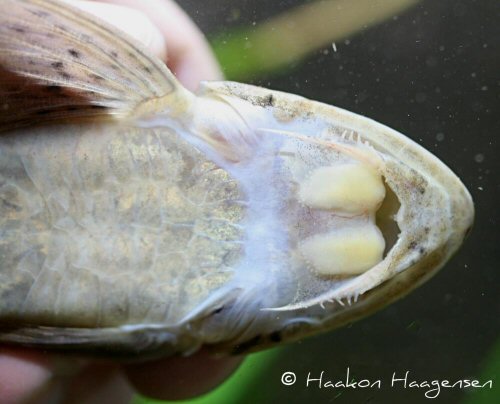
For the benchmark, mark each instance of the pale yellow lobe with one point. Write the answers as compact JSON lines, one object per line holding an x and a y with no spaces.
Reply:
{"x":352,"y":188}
{"x":344,"y":251}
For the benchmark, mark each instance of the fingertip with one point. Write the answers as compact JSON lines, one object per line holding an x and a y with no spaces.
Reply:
{"x":189,"y":54}
{"x":190,"y":70}
{"x":181,"y":378}
{"x":23,"y":374}
{"x":133,"y":21}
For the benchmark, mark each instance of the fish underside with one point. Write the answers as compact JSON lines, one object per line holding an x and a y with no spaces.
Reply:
{"x":138,"y":219}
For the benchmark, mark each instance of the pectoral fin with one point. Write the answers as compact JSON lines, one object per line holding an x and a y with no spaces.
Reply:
{"x":59,"y":63}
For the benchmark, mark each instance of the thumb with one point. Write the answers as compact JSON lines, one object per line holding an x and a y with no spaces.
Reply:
{"x":132,"y":21}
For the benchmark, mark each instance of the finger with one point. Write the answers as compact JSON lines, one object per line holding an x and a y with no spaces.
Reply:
{"x":133,"y":21}
{"x":98,"y":383}
{"x":181,"y":378}
{"x":189,"y":55}
{"x":23,"y":375}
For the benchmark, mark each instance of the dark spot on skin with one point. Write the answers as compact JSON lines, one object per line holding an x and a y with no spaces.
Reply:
{"x":217,"y":310}
{"x":98,"y":107}
{"x":421,"y":190}
{"x":245,"y":346}
{"x":412,"y":245}
{"x":114,"y":67}
{"x":19,"y":29}
{"x":57,"y":65}
{"x":421,"y":250}
{"x":65,"y":75}
{"x":269,"y":100}
{"x":43,"y":111}
{"x":114,"y":54}
{"x":427,"y":230}
{"x":39,"y":13}
{"x":53,"y":89}
{"x":74,"y":53}
{"x":31,"y":62}
{"x":146,"y":69}
{"x":10,"y":205}
{"x":132,"y":55}
{"x":275,"y":336}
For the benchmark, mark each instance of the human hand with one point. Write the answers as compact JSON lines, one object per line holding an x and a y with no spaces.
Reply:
{"x":168,"y":32}
{"x":32,"y":376}
{"x":28,"y":375}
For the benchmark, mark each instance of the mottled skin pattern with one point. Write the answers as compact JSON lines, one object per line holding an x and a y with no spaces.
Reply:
{"x":104,"y":226}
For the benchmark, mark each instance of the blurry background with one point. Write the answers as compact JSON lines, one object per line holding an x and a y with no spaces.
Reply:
{"x":429,"y":69}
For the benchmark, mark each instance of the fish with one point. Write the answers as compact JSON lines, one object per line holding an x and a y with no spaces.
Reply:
{"x":139,"y":219}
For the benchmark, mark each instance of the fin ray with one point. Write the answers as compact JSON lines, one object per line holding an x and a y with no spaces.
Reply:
{"x":57,"y":62}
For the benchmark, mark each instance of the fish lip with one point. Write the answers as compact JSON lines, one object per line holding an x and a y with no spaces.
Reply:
{"x":465,"y":213}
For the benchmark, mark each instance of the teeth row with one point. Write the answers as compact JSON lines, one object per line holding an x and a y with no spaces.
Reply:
{"x":349,"y":301}
{"x":353,"y":137}
{"x":346,"y":136}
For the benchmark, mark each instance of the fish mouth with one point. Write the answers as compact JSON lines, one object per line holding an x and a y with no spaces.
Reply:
{"x":426,"y":210}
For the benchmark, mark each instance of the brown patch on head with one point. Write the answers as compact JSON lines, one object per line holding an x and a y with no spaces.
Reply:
{"x":267,"y":101}
{"x":283,"y":116}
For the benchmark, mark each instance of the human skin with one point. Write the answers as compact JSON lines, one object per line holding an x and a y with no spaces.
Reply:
{"x":31,"y":376}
